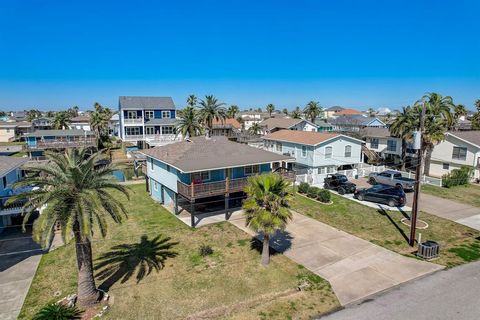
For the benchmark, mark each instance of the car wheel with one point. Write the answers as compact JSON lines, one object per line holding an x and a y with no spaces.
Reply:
{"x":341,"y":191}
{"x":326,"y":186}
{"x":391,"y":203}
{"x":360,"y":197}
{"x":398,"y":185}
{"x":372,"y":180}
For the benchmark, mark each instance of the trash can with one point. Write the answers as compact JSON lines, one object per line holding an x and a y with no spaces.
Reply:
{"x":428,"y":249}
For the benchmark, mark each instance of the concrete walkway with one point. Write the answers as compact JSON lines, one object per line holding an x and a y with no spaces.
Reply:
{"x":354,"y":267}
{"x":447,"y":295}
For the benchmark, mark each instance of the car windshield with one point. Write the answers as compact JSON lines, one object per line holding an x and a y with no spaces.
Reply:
{"x":376,"y":188}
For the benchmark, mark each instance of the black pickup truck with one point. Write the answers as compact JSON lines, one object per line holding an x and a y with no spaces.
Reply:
{"x":340,"y":183}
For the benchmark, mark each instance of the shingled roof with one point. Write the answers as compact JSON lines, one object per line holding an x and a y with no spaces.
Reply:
{"x":128,"y":102}
{"x":200,"y":153}
{"x":7,"y":164}
{"x":472,"y":137}
{"x":281,"y":123}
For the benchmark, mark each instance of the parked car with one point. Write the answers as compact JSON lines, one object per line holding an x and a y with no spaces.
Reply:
{"x":391,"y":178}
{"x":340,"y":183}
{"x":392,"y":196}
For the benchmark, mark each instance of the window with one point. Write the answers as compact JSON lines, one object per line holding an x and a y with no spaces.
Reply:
{"x":166,"y":114}
{"x":322,"y":170}
{"x":251,"y":170}
{"x":278,"y":146}
{"x":151,"y":164}
{"x":348,"y":151}
{"x":459,"y":153}
{"x":328,"y":152}
{"x":149,"y":114}
{"x":167,"y":130}
{"x":198,"y":177}
{"x":4,"y":180}
{"x":304,"y":151}
{"x":132,"y":115}
{"x":132,"y":131}
{"x":391,"y":145}
{"x":155,"y":186}
{"x":330,"y":170}
{"x":149,"y":130}
{"x":446,"y":166}
{"x":374,"y":143}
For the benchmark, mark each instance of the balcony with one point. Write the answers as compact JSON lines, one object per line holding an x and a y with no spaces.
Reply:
{"x":133,"y":121}
{"x":134,"y":137}
{"x":161,"y":140}
{"x":62,"y":144}
{"x":11,"y":209}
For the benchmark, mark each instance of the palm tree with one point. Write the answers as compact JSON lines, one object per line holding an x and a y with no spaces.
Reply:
{"x":403,"y":127}
{"x":189,"y":125}
{"x":74,"y":192}
{"x":211,"y":109}
{"x":73,"y":111}
{"x":99,"y":120}
{"x":296,"y":114}
{"x":232,"y":111}
{"x":266,"y":207}
{"x":192,"y":101}
{"x":58,"y":311}
{"x":476,"y":116}
{"x":458,"y":111}
{"x":312,"y":110}
{"x":371,"y":112}
{"x":285,"y":111}
{"x":61,"y":120}
{"x":255,"y":128}
{"x":270,"y":108}
{"x":33,"y":114}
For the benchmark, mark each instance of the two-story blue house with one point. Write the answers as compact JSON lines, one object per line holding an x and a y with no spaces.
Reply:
{"x":206,"y":174}
{"x":147,"y":121}
{"x":10,"y":172}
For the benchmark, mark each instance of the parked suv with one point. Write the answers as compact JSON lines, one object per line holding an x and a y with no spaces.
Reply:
{"x":391,"y":178}
{"x":340,"y":183}
{"x":392,"y":196}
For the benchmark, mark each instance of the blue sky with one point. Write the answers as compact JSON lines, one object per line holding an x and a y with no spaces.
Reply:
{"x":55,"y":54}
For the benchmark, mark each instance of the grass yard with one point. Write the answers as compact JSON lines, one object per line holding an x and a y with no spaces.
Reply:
{"x":469,"y":194}
{"x":228,"y":284}
{"x":458,"y":244}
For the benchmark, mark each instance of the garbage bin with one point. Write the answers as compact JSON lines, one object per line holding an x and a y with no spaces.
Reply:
{"x":428,"y":249}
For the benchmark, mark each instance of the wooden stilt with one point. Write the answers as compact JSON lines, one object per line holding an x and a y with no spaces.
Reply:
{"x":192,"y":214}
{"x":227,"y":206}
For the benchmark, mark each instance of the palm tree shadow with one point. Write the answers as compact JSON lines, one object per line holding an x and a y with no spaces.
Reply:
{"x":280,"y":242}
{"x":122,"y":261}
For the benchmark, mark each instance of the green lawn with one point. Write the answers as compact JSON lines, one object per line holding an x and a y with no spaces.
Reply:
{"x":13,"y":143}
{"x":459,"y":244}
{"x":468,"y":194}
{"x":230,"y":283}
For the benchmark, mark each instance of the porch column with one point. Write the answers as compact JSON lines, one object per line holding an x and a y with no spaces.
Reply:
{"x":192,"y":213}
{"x":176,"y":203}
{"x":227,"y":206}
{"x":147,"y":186}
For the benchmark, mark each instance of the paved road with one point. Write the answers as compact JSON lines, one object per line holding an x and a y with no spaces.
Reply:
{"x":354,"y":267}
{"x":19,"y":258}
{"x":446,"y":295}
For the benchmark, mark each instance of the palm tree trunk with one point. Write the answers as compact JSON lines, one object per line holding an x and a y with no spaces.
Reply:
{"x":428,"y":158}
{"x":87,"y":293}
{"x":404,"y":154}
{"x":266,"y":250}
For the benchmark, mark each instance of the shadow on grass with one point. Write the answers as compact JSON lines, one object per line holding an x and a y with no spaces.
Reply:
{"x":280,"y":242}
{"x":122,"y":261}
{"x":383,"y":212}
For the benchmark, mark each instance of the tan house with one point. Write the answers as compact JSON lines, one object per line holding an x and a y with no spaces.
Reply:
{"x":10,"y":131}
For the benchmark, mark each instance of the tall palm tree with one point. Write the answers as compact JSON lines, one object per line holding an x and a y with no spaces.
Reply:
{"x":211,"y":109}
{"x":33,"y":114}
{"x":403,"y":127}
{"x":476,"y":116}
{"x":73,"y":111}
{"x":189,"y":125}
{"x":285,"y":111}
{"x":232,"y":111}
{"x":266,"y":207}
{"x":459,"y":111}
{"x":62,"y":120}
{"x":255,"y":128}
{"x":312,"y":110}
{"x":192,"y":101}
{"x":270,"y":108}
{"x":296,"y":114}
{"x":75,"y":194}
{"x":99,"y":120}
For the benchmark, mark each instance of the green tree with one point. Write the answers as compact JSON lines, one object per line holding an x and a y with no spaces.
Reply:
{"x":458,"y":111}
{"x":232,"y":111}
{"x":296,"y":113}
{"x":211,"y":109}
{"x":61,"y":120}
{"x":189,"y":125}
{"x":57,"y":311}
{"x":403,"y":127}
{"x":270,"y":109}
{"x":255,"y":128}
{"x":192,"y":101}
{"x":476,"y":116}
{"x":285,"y":111}
{"x":73,"y":111}
{"x":33,"y":114}
{"x":74,"y":192}
{"x":266,"y":207}
{"x":371,"y":112}
{"x":312,"y":110}
{"x":99,"y":120}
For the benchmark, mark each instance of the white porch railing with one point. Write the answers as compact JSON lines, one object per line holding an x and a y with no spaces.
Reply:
{"x":133,"y":121}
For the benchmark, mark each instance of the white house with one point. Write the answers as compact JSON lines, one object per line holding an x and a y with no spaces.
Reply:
{"x":383,"y":144}
{"x":460,"y":148}
{"x":274,"y":124}
{"x":320,"y":152}
{"x":81,"y":122}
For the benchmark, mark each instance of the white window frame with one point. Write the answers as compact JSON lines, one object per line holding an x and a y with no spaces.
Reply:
{"x":149,"y":114}
{"x":164,"y":128}
{"x":252,"y":168}
{"x":328,"y":155}
{"x":278,"y":146}
{"x":459,"y":151}
{"x":130,"y":113}
{"x":304,"y":151}
{"x":374,"y":145}
{"x":348,"y":154}
{"x":167,"y":113}
{"x":147,"y":130}
{"x":391,"y":143}
{"x":201,"y":176}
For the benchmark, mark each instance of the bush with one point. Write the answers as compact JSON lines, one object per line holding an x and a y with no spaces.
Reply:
{"x":457,"y":177}
{"x":205,"y":250}
{"x":303,"y":187}
{"x":312,"y":192}
{"x":323,"y":196}
{"x":57,"y":311}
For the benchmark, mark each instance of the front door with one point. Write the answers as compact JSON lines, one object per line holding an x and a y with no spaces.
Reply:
{"x":149,"y":130}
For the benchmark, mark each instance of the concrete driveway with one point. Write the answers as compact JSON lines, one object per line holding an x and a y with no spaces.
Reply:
{"x":19,"y":258}
{"x":354,"y":267}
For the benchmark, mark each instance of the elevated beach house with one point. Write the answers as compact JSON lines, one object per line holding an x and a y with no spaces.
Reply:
{"x":279,"y":123}
{"x":39,"y":141}
{"x":207,"y":175}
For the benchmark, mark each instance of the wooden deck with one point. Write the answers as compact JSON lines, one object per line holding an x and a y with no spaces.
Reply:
{"x":62,"y":144}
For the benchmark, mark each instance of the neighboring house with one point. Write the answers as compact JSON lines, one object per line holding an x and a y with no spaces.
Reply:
{"x":12,"y":131}
{"x":147,"y":121}
{"x":319,"y":152}
{"x":19,"y":115}
{"x":348,"y":112}
{"x":251,"y":117}
{"x":323,"y":126}
{"x":227,"y":128}
{"x":42,"y":123}
{"x":10,"y":172}
{"x":330,"y":112}
{"x":460,"y":148}
{"x":41,"y":140}
{"x":81,"y":122}
{"x":202,"y":174}
{"x":274,"y":124}
{"x":114,"y":125}
{"x":385,"y":147}
{"x":355,"y":123}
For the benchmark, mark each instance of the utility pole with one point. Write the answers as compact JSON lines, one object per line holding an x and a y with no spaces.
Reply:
{"x":418,"y":173}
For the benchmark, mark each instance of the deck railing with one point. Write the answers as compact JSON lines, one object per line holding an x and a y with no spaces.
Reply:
{"x":133,"y":121}
{"x":60,"y":144}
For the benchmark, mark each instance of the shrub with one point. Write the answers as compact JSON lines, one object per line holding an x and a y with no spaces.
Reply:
{"x":57,"y":311}
{"x":303,"y":187}
{"x":457,"y":177}
{"x":323,"y":196}
{"x":205,"y":250}
{"x":313,"y":192}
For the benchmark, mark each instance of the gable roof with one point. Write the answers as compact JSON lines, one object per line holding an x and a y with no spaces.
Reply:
{"x":472,"y":137}
{"x":304,"y":137}
{"x":81,"y":118}
{"x":375,"y":132}
{"x":200,"y":154}
{"x":8,"y":164}
{"x":132,"y":102}
{"x":348,"y":112}
{"x":226,"y":123}
{"x":282,"y":123}
{"x":357,"y":120}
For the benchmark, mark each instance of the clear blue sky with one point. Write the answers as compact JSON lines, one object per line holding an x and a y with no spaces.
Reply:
{"x":55,"y":54}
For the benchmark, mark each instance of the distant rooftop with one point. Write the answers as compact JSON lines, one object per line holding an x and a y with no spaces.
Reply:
{"x":7,"y":164}
{"x":301,"y":137}
{"x":335,"y":109}
{"x":59,"y":133}
{"x":348,"y":112}
{"x":132,"y":102}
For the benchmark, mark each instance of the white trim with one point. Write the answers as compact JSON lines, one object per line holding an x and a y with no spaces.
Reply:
{"x":466,"y":141}
{"x":253,"y":173}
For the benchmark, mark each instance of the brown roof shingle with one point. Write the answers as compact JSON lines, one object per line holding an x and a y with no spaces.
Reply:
{"x":303,"y":137}
{"x":281,"y":123}
{"x":470,"y":136}
{"x":347,"y":112}
{"x":200,"y":153}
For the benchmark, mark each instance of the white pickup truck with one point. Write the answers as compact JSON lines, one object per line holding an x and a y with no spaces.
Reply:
{"x":391,"y":178}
